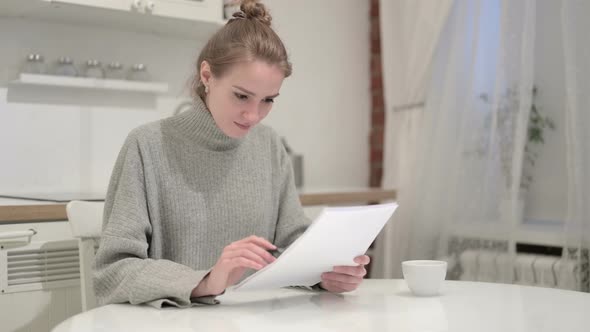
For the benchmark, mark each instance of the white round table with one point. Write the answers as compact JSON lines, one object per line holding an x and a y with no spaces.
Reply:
{"x":378,"y":305}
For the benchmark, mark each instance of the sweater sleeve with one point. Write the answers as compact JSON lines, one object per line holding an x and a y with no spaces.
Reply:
{"x":292,"y":221}
{"x":123,"y":272}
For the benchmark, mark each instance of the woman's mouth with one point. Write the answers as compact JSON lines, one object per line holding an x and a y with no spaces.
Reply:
{"x":241,"y":126}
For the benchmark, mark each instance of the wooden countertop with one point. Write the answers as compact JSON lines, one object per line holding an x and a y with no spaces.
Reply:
{"x":36,"y":211}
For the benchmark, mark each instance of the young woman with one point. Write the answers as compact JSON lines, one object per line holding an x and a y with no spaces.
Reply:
{"x":197,"y":199}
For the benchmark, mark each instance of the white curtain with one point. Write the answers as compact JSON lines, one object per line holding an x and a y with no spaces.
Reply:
{"x":457,"y":162}
{"x":410,"y":30}
{"x":577,"y":73}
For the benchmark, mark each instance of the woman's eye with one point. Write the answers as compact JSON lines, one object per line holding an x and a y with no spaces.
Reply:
{"x":240,"y":96}
{"x":269,"y":100}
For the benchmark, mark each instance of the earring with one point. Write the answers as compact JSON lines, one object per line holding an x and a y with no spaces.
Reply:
{"x":206,"y":89}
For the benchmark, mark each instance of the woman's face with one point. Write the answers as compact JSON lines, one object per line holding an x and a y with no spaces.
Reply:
{"x":242,"y":96}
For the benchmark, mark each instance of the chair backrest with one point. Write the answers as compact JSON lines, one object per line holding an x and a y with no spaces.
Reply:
{"x":85,"y":219}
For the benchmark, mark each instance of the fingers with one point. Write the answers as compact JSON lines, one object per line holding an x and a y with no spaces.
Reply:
{"x":251,"y":251}
{"x":237,"y":262}
{"x":248,"y":253}
{"x":363,"y":259}
{"x":343,"y":278}
{"x":243,"y":247}
{"x":356,"y":271}
{"x":332,"y":286}
{"x":245,"y":253}
{"x":338,"y":287}
{"x":261,"y":242}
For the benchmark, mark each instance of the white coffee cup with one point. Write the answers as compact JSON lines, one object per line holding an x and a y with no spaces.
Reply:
{"x":424,"y":277}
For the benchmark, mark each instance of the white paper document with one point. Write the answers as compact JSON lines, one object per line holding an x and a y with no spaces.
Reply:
{"x":336,"y":237}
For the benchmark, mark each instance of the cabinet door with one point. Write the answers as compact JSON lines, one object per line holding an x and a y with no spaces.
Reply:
{"x":194,"y":10}
{"x":106,"y":4}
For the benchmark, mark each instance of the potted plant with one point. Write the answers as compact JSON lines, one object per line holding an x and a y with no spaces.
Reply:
{"x":535,"y":137}
{"x":505,"y":132}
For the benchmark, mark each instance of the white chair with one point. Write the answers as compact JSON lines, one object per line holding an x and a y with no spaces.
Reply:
{"x":85,"y":219}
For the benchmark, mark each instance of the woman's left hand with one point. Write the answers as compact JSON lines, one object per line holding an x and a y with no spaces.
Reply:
{"x":345,"y":278}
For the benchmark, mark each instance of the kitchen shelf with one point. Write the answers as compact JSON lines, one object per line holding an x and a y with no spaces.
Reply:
{"x":91,"y":83}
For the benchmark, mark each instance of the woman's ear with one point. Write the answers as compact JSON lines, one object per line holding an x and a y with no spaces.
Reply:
{"x":205,"y":73}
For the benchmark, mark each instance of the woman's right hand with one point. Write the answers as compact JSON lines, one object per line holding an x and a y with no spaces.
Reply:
{"x":236,"y":258}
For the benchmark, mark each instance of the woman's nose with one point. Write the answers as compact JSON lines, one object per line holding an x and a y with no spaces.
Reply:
{"x":250,"y":114}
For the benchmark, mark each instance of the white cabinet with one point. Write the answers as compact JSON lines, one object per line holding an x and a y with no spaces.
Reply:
{"x":182,"y":18}
{"x":195,"y":10}
{"x":186,"y":9}
{"x":106,"y":4}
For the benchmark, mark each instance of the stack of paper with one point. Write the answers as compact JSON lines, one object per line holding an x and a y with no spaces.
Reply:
{"x":336,"y":237}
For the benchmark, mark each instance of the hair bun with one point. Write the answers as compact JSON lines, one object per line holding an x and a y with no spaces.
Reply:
{"x":254,"y":10}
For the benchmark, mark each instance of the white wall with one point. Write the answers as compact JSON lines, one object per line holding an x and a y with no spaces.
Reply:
{"x":324,"y":110}
{"x":51,"y":141}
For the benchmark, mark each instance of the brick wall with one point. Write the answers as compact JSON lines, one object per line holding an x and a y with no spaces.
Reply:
{"x":377,"y":108}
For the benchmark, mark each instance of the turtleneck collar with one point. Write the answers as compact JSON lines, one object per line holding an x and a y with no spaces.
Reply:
{"x":198,"y":126}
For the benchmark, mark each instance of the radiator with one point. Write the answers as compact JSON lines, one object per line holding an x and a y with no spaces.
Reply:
{"x":39,"y":266}
{"x":39,"y":277}
{"x":522,"y":269}
{"x":473,"y":258}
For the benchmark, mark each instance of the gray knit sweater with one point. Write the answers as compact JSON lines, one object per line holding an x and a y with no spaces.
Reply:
{"x":181,"y":190}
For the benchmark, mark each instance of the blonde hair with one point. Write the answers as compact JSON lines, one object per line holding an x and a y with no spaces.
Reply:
{"x":247,"y":36}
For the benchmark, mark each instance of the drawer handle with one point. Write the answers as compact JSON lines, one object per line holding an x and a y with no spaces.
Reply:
{"x":19,"y":234}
